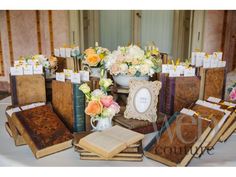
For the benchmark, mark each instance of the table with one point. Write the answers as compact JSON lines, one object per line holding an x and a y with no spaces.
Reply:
{"x":10,"y":155}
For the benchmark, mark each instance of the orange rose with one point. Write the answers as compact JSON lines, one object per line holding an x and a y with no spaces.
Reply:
{"x":93,"y":60}
{"x":89,"y":51}
{"x":94,"y":108}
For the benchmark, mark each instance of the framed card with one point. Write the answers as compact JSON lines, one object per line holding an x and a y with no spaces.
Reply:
{"x":142,"y":100}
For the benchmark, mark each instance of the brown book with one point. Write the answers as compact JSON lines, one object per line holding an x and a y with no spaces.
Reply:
{"x":225,"y":105}
{"x":27,"y":89}
{"x":212,"y":83}
{"x":181,"y":92}
{"x":177,"y":142}
{"x":228,"y":132}
{"x":18,"y":138}
{"x":140,"y":126}
{"x":42,"y":130}
{"x":110,"y":142}
{"x":218,"y":117}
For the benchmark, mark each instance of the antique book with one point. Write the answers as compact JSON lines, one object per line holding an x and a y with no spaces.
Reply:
{"x":178,"y":140}
{"x":42,"y":130}
{"x":69,"y":103}
{"x":228,"y":132}
{"x":27,"y":89}
{"x":17,"y":137}
{"x":110,"y":142}
{"x":181,"y":92}
{"x":212,"y":83}
{"x":140,"y":126}
{"x":230,"y":120}
{"x":218,"y":117}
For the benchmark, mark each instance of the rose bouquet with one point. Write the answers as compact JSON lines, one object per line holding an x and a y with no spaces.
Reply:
{"x":232,"y":92}
{"x":133,"y":61}
{"x":100,"y":105}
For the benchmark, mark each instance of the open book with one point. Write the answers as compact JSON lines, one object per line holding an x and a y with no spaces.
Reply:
{"x":110,"y":142}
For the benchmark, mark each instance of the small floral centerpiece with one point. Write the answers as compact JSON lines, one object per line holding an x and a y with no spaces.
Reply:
{"x":101,"y":107}
{"x":132,"y":62}
{"x":232,"y":92}
{"x":94,"y":59}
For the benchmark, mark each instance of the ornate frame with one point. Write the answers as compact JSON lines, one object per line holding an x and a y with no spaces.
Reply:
{"x":151,"y":113}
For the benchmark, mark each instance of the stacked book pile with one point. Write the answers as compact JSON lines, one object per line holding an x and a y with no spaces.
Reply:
{"x":188,"y":133}
{"x":116,"y":143}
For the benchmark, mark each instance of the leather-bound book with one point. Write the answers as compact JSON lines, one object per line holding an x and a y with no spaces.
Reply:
{"x":17,"y":137}
{"x":231,"y":107}
{"x":69,"y":103}
{"x":162,"y":95}
{"x":212,"y":83}
{"x":178,"y":140}
{"x":218,"y":117}
{"x":181,"y":92}
{"x":42,"y":130}
{"x":140,"y":126}
{"x":27,"y":89}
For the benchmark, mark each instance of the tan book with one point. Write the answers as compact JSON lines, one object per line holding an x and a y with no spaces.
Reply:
{"x":110,"y":141}
{"x":8,"y":129}
{"x":42,"y":130}
{"x":218,"y":117}
{"x":228,"y":132}
{"x":178,"y":141}
{"x":136,"y":159}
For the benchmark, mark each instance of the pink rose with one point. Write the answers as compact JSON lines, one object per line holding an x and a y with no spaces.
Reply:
{"x":232,"y":94}
{"x":106,"y":101}
{"x":115,"y":69}
{"x":115,"y":107}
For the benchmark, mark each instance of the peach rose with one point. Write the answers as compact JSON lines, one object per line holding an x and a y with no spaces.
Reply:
{"x":89,"y":51}
{"x":106,"y":101}
{"x":93,"y":60}
{"x":94,"y":108}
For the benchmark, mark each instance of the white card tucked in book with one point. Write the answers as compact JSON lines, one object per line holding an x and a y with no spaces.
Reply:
{"x":60,"y":77}
{"x":16,"y":71}
{"x":12,"y":110}
{"x":28,"y":70}
{"x":38,"y":69}
{"x":189,"y":72}
{"x":174,"y":73}
{"x":75,"y":78}
{"x":84,"y":76}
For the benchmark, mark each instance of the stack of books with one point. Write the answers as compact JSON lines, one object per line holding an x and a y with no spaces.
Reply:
{"x":116,"y":144}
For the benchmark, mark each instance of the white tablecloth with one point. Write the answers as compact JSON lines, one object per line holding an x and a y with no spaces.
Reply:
{"x":10,"y":155}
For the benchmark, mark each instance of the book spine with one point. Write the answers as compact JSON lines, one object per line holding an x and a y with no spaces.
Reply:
{"x":170,"y":94}
{"x":13,"y":90}
{"x":162,"y":92}
{"x":79,"y":107}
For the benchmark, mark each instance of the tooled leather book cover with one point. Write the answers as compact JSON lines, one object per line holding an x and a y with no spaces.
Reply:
{"x":27,"y":89}
{"x":181,"y":92}
{"x":42,"y":127}
{"x":177,"y":138}
{"x":214,"y":82}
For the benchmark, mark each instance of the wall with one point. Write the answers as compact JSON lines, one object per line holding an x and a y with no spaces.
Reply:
{"x":213,"y":30}
{"x":24,"y":33}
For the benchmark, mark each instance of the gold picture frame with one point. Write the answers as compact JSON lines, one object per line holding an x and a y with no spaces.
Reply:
{"x":142,"y":100}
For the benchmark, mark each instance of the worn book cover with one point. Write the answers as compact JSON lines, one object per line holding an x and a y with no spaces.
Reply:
{"x":110,"y":142}
{"x":218,"y":117}
{"x":69,"y":103}
{"x":27,"y":89}
{"x":42,"y":130}
{"x":181,"y":92}
{"x":212,"y":83}
{"x":178,"y":140}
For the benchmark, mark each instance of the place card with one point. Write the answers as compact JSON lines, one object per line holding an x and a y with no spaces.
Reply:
{"x":29,"y":106}
{"x":75,"y":78}
{"x":174,"y":73}
{"x":218,"y":55}
{"x":38,"y":69}
{"x":60,"y":77}
{"x":189,"y":72}
{"x":207,"y":61}
{"x":68,"y":52}
{"x":180,"y":68}
{"x":84,"y":76}
{"x":221,"y":64}
{"x":57,"y":52}
{"x":199,"y":58}
{"x":28,"y":69}
{"x":207,"y":104}
{"x":214,"y":62}
{"x":68,"y":73}
{"x":213,"y":99}
{"x":62,"y":52}
{"x":229,"y":104}
{"x":165,"y":68}
{"x":16,"y":71}
{"x":187,"y":112}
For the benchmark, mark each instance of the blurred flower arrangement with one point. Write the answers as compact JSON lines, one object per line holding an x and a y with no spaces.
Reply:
{"x":133,"y":61}
{"x":232,"y":92}
{"x":100,"y":105}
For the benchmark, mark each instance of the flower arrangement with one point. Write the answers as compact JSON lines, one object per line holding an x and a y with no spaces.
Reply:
{"x":94,"y":57}
{"x":133,"y":61}
{"x":100,"y":105}
{"x":232,"y":92}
